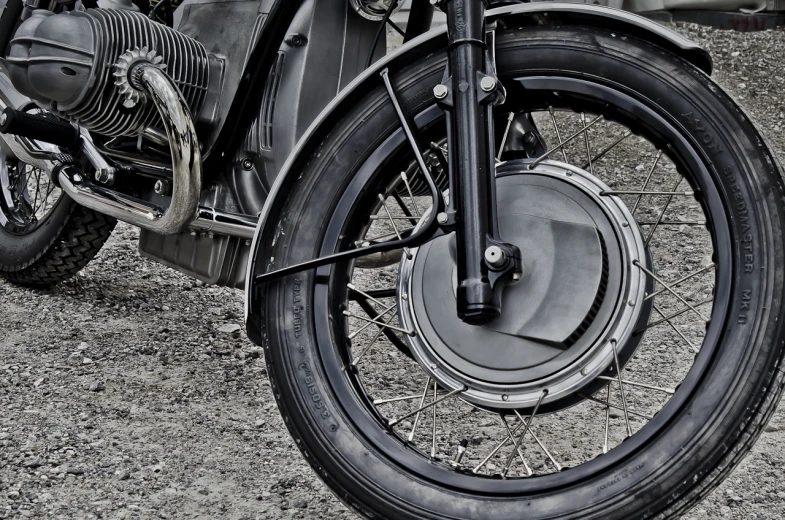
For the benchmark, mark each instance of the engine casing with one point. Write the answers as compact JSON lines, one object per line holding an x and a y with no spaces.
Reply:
{"x":67,"y":63}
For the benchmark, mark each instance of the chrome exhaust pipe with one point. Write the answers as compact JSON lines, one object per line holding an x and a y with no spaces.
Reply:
{"x":183,"y":212}
{"x":186,"y":167}
{"x":186,"y":162}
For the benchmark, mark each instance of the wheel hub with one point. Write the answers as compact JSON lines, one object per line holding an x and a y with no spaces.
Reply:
{"x":569,"y":318}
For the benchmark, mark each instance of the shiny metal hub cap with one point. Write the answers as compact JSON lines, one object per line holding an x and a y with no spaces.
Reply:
{"x":570,"y":319}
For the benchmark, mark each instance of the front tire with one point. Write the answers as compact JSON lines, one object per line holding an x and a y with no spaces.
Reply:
{"x":670,"y":463}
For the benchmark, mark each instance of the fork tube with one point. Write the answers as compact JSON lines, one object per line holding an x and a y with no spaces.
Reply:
{"x":420,"y":19}
{"x":473,"y":174}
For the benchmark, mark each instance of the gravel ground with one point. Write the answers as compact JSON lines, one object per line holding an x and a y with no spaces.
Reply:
{"x":131,"y":392}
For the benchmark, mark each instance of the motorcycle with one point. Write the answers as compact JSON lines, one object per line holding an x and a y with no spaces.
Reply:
{"x":529,"y":265}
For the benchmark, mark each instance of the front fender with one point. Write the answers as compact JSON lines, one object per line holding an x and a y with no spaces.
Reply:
{"x":434,"y":41}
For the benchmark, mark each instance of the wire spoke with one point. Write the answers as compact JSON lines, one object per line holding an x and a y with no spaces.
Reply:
{"x":558,"y":134}
{"x":607,"y":419}
{"x":422,"y":403}
{"x":425,"y":407}
{"x":562,"y":144}
{"x":380,"y":323}
{"x":526,"y":429}
{"x":669,"y":289}
{"x":384,"y":312}
{"x":674,"y":315}
{"x":542,"y":446}
{"x":676,"y":329}
{"x":411,"y":195}
{"x":682,"y":280}
{"x":586,"y":139}
{"x":646,"y":182}
{"x":670,"y":391}
{"x":504,"y":137}
{"x":371,"y":343}
{"x":606,"y":150}
{"x":662,"y":213}
{"x":621,"y":388}
{"x":518,"y":449}
{"x":435,"y":402}
{"x":607,"y":403}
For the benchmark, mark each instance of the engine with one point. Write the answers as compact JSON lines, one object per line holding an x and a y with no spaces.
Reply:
{"x":77,"y":65}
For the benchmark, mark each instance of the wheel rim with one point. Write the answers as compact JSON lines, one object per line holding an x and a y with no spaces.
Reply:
{"x":417,"y":457}
{"x":27,"y":196}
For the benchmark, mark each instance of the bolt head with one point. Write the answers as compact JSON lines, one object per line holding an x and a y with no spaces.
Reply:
{"x":442,"y":218}
{"x":494,"y":256}
{"x":247,"y":164}
{"x":440,"y":91}
{"x":487,"y":84}
{"x":159,"y":187}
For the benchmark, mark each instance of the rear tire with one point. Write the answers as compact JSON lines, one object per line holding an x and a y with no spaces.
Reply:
{"x":63,"y":245}
{"x":687,"y":457}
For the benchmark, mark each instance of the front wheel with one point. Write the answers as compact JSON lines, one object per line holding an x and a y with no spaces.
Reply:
{"x":633,"y":366}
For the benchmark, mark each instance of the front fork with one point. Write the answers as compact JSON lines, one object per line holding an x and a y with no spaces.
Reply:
{"x":468,"y":94}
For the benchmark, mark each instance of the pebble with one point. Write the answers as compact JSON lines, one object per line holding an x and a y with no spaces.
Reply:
{"x":96,"y":386}
{"x":228,"y":328}
{"x":300,"y":504}
{"x":771,"y":428}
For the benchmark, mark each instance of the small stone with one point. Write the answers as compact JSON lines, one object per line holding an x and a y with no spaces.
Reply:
{"x":215,"y":310}
{"x":45,"y":497}
{"x":83,"y":346}
{"x":87,"y":361}
{"x":32,"y":463}
{"x":735,"y":54}
{"x":39,"y":382}
{"x":96,"y":386}
{"x":736,"y":498}
{"x":724,"y":510}
{"x":229,"y":328}
{"x":166,"y":308}
{"x":13,"y":495}
{"x":300,"y":504}
{"x":255,"y":353}
{"x":123,"y":474}
{"x":75,"y":470}
{"x":781,"y":495}
{"x":260,"y":423}
{"x":771,"y":428}
{"x":204,"y":492}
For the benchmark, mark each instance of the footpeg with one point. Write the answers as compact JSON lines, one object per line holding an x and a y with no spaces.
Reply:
{"x":41,"y":127}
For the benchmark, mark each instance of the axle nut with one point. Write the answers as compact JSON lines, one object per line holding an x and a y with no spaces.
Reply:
{"x":494,"y":256}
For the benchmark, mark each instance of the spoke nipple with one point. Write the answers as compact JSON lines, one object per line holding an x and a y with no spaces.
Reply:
{"x":631,"y":303}
{"x":404,"y":296}
{"x":440,"y":91}
{"x":625,"y":224}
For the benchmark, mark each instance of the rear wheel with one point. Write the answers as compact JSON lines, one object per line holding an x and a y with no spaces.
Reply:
{"x":45,"y":237}
{"x":636,"y":362}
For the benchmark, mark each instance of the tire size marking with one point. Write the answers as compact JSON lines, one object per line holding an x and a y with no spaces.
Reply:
{"x":297,"y":321}
{"x":308,"y":378}
{"x":618,"y":477}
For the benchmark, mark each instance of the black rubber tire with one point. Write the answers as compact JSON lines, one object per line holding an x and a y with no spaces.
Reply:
{"x":709,"y":435}
{"x":62,"y":246}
